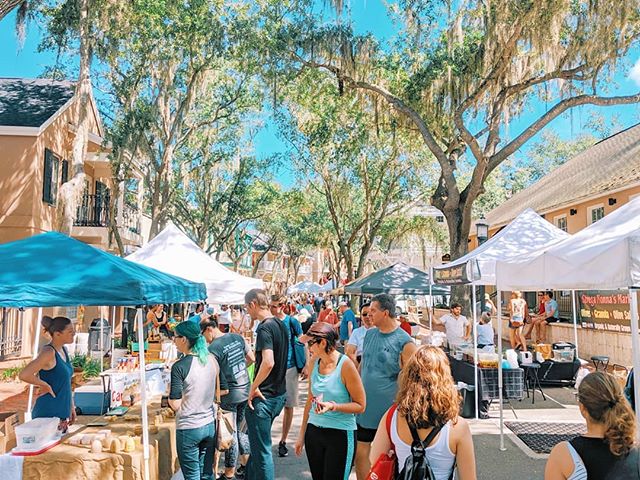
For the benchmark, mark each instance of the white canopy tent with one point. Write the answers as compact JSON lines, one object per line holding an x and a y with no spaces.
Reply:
{"x":528,"y":232}
{"x":305,"y":287}
{"x":175,"y":253}
{"x":603,"y":256}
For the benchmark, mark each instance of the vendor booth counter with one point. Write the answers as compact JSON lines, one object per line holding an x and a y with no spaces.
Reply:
{"x":77,"y":461}
{"x":512,"y":381}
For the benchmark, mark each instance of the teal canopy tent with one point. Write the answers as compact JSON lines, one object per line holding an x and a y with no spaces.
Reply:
{"x":54,"y":270}
{"x":396,"y":279}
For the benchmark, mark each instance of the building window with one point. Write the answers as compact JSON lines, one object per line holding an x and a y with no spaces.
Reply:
{"x":440,"y":218}
{"x":561,"y":222}
{"x":50,"y":182}
{"x":595,"y":213}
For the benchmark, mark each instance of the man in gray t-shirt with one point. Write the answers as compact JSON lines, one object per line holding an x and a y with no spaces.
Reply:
{"x":385,"y":350}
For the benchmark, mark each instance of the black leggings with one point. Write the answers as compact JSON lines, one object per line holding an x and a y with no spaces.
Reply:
{"x":330,"y":452}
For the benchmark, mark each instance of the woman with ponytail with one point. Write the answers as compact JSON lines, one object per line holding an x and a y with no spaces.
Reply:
{"x":192,"y":397}
{"x":51,"y":371}
{"x":608,"y":450}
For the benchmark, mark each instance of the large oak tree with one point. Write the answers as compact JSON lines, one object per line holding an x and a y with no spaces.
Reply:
{"x":460,"y":73}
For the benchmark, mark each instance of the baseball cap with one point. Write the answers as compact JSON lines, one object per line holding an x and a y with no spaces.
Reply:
{"x":319,"y":330}
{"x":343,"y":304}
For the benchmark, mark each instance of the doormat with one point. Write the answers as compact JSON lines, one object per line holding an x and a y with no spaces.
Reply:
{"x":542,"y":437}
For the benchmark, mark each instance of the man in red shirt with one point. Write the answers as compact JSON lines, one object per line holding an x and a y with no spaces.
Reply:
{"x":327,"y":314}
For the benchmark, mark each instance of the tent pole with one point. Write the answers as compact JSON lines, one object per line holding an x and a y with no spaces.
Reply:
{"x":574,"y":307}
{"x":475,"y":345}
{"x":431,"y":301}
{"x":635,"y":347}
{"x":143,"y":393}
{"x":113,"y":329}
{"x":102,"y":315}
{"x":36,"y":343}
{"x":499,"y":308}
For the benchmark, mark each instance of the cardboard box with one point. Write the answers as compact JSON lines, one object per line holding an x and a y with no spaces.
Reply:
{"x":8,"y":422}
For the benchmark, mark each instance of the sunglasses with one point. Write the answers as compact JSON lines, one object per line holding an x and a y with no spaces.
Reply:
{"x":178,"y":336}
{"x":313,"y":342}
{"x":364,"y":314}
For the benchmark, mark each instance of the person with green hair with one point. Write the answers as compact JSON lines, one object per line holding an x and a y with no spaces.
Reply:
{"x":192,"y":397}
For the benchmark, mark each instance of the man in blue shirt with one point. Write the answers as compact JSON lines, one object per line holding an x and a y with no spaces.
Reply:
{"x":385,"y":350}
{"x":551,"y":315}
{"x":348,"y":322}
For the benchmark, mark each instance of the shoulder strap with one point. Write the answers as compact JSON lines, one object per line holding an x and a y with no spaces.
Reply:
{"x":293,"y":333}
{"x":388,"y":421}
{"x":427,"y":441}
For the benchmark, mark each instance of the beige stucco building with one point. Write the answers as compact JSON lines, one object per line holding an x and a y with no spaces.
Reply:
{"x":38,"y":120}
{"x":586,"y":188}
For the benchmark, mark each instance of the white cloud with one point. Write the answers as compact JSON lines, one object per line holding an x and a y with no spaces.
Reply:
{"x":635,"y":73}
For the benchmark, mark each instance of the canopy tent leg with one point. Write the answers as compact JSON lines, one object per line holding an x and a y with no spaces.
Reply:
{"x":635,"y":348}
{"x":574,"y":307}
{"x":102,"y":315}
{"x":499,"y":308}
{"x":113,"y":329}
{"x":36,"y":343}
{"x":143,"y":393}
{"x":431,"y":301}
{"x":475,"y":345}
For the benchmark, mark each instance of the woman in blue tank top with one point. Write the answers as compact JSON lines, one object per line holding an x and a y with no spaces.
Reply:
{"x":336,"y":395}
{"x":51,"y":371}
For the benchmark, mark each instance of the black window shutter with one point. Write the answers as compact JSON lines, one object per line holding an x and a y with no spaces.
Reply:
{"x":55,"y":169}
{"x":50,"y":178}
{"x":64,"y":174}
{"x":46,"y":183}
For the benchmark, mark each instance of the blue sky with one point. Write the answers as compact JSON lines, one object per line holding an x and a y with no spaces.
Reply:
{"x":367,"y":16}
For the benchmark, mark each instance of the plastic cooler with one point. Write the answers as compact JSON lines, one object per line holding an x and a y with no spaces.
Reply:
{"x":564,"y":352}
{"x":36,"y":433}
{"x":92,"y":399}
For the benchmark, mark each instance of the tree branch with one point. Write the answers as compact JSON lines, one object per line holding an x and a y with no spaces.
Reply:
{"x":557,"y":110}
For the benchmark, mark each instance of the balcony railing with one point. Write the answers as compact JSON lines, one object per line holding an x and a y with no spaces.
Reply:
{"x":93,"y":211}
{"x":131,"y":218}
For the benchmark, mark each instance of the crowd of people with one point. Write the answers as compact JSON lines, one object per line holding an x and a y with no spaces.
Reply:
{"x":371,"y":389}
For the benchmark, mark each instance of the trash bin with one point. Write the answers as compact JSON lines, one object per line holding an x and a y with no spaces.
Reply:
{"x":94,"y":335}
{"x":468,"y":405}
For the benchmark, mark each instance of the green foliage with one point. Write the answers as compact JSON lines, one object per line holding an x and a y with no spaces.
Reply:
{"x":9,"y":374}
{"x":91,"y":369}
{"x":363,"y":170}
{"x":79,"y":361}
{"x":459,"y":73}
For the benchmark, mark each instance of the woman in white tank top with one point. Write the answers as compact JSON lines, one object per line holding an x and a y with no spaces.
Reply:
{"x":427,"y":397}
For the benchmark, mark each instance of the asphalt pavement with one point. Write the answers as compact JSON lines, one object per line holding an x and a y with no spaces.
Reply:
{"x":517,"y":461}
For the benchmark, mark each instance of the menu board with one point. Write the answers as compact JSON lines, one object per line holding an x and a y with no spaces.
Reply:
{"x":605,"y":310}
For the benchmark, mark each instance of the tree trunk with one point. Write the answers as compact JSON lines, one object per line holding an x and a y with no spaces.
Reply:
{"x":113,"y":216}
{"x":459,"y":228}
{"x":362,"y":261}
{"x":72,"y":190}
{"x":254,"y":271}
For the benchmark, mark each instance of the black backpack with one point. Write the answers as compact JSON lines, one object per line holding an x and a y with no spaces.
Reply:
{"x":416,"y":466}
